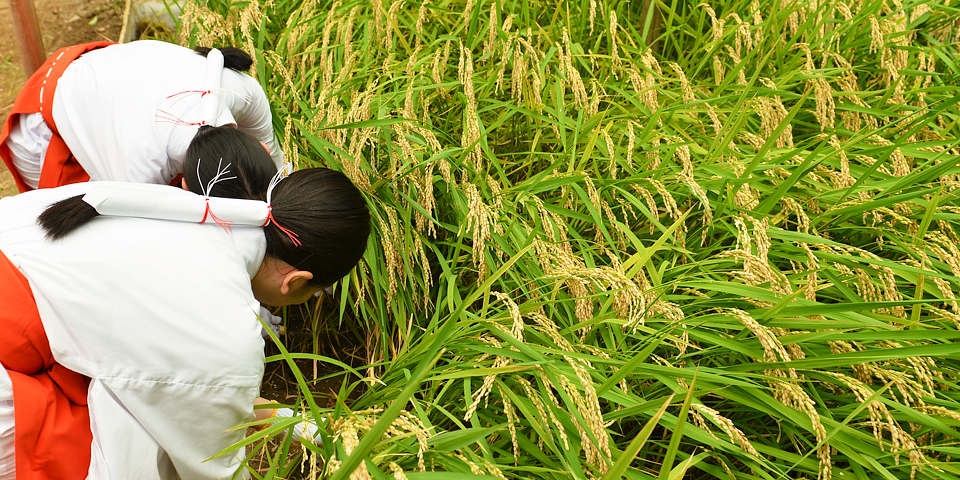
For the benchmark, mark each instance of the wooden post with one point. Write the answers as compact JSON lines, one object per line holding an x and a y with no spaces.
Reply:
{"x":651,"y":13}
{"x":28,"y":35}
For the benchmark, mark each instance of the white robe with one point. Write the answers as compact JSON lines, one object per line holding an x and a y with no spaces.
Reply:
{"x":161,"y":316}
{"x":113,"y":107}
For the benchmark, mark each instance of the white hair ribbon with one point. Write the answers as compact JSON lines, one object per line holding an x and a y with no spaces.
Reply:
{"x":213,"y":110}
{"x":162,"y":202}
{"x":282,"y":173}
{"x":212,"y":80}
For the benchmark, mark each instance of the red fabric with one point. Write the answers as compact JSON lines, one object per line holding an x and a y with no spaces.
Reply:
{"x":176,"y":181}
{"x":60,"y":167}
{"x":52,"y":424}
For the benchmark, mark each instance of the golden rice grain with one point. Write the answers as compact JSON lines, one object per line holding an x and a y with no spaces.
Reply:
{"x":592,"y":15}
{"x":735,"y":434}
{"x":572,"y":75}
{"x":716,"y":29}
{"x":616,"y":62}
{"x":547,"y":417}
{"x":686,"y":91}
{"x":390,"y":241}
{"x":700,"y":422}
{"x":516,"y":329}
{"x":397,"y":471}
{"x":686,"y":176}
{"x":512,"y":421}
{"x":477,"y":224}
{"x":388,"y":25}
{"x":251,"y":16}
{"x":470,"y":140}
{"x":735,"y":57}
{"x":772,"y":114}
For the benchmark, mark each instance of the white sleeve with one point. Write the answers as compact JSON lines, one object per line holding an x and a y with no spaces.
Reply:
{"x":173,"y":345}
{"x":253,"y":112}
{"x":179,"y":426}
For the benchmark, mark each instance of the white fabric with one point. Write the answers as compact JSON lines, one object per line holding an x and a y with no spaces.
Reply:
{"x":161,"y":316}
{"x":7,"y":460}
{"x":169,"y":203}
{"x":28,"y":141}
{"x":114,"y":106}
{"x":212,"y":81}
{"x":272,"y":321}
{"x":305,"y":430}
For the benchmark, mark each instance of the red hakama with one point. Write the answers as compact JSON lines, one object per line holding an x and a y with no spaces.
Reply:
{"x":52,"y":425}
{"x":59,"y":165}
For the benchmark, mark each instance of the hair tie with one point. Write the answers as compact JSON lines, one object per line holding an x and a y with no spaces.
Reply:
{"x":189,"y":92}
{"x":220,"y":176}
{"x":167,"y":117}
{"x":223,"y":223}
{"x":282,"y":173}
{"x":290,"y":233}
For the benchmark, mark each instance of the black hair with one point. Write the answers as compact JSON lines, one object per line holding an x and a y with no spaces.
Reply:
{"x":213,"y":148}
{"x":233,"y":58}
{"x":66,"y":216}
{"x":331,"y":221}
{"x":323,"y":209}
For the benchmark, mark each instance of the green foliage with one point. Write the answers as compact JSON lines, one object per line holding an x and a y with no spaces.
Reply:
{"x":633,"y":239}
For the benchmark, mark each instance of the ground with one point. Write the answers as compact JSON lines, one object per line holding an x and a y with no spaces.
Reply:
{"x":62,"y":23}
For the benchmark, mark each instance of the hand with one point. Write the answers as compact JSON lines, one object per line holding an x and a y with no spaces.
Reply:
{"x":272,"y":320}
{"x":305,"y":430}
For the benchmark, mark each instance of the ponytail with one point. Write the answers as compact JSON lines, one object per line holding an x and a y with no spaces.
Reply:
{"x":233,"y":58}
{"x":66,"y":216}
{"x":213,"y":148}
{"x":329,"y":218}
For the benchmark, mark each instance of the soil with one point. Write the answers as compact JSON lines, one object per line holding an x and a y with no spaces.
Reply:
{"x":62,"y":23}
{"x":314,"y":327}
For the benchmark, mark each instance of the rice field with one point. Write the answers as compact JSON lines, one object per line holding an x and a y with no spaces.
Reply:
{"x":647,"y":240}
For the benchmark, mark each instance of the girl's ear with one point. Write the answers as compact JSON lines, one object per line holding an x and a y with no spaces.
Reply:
{"x":183,"y":183}
{"x":294,"y":281}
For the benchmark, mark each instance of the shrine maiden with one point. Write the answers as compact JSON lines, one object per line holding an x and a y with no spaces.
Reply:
{"x":131,"y":345}
{"x":104,"y":111}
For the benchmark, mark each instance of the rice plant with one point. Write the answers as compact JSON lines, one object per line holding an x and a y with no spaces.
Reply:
{"x":652,"y":240}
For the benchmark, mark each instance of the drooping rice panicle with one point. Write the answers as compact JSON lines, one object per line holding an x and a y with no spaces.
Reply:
{"x":641,"y":239}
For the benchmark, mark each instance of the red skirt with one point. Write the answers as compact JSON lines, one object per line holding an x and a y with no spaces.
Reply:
{"x":59,"y":165}
{"x":52,"y":435}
